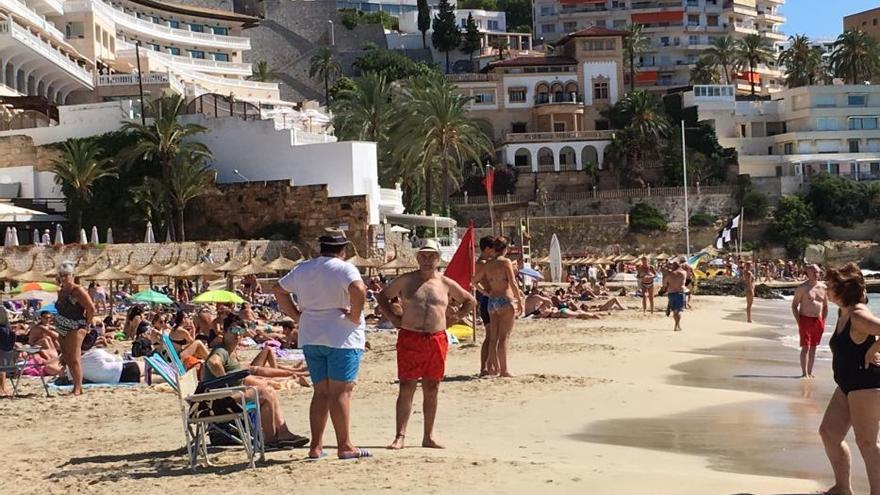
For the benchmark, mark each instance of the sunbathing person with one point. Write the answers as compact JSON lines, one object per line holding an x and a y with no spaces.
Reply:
{"x":567,"y":313}
{"x":613,"y":303}
{"x":43,"y":330}
{"x":291,"y":334}
{"x":99,"y":366}
{"x":223,"y":360}
{"x":536,"y":302}
{"x":192,"y":352}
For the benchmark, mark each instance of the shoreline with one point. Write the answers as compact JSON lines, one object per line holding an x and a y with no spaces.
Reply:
{"x":512,"y":436}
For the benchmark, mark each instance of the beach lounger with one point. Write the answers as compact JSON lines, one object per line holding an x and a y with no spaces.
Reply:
{"x":240,"y":422}
{"x":15,"y":362}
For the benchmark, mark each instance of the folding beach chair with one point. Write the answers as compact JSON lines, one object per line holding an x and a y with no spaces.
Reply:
{"x":15,"y":362}
{"x":232,"y":416}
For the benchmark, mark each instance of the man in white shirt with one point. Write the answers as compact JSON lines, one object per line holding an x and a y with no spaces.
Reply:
{"x":331,"y":295}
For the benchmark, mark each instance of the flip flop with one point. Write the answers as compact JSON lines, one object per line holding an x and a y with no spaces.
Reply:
{"x":291,"y":443}
{"x":357,"y":454}
{"x":318,"y":458}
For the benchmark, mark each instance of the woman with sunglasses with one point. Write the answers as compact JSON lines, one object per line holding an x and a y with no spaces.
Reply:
{"x":224,"y":360}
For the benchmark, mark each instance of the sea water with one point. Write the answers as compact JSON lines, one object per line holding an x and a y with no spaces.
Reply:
{"x":791,"y":339}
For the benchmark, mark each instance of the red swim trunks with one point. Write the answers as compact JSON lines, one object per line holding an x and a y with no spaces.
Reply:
{"x":810,"y":329}
{"x":421,"y":355}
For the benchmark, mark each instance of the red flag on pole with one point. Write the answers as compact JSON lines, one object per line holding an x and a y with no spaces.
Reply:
{"x":461,"y":266}
{"x":489,"y":182}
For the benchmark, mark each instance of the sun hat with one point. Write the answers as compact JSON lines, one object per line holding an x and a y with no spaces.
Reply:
{"x":429,"y":246}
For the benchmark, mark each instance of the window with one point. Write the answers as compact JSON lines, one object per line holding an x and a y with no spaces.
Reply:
{"x":600,"y":23}
{"x":619,"y":23}
{"x":516,"y":95}
{"x":693,"y":3}
{"x":74,"y":30}
{"x":853,"y":145}
{"x":712,"y":20}
{"x":600,"y":90}
{"x":484,"y":98}
{"x":860,"y":123}
{"x":664,"y":40}
{"x":826,"y":124}
{"x":559,"y":127}
{"x":518,"y":127}
{"x":856,"y":100}
{"x":788,"y":148}
{"x":693,"y":20}
{"x":693,"y":40}
{"x":569,"y":26}
{"x":155,"y":47}
{"x":825,"y":101}
{"x":464,"y":23}
{"x":222,"y":31}
{"x":221,"y":57}
{"x":197,"y":28}
{"x":174,"y":24}
{"x":602,"y":125}
{"x":493,"y":25}
{"x":173,"y":50}
{"x":546,"y":10}
{"x":156,"y":20}
{"x":599,"y":45}
{"x":196,"y":53}
{"x":548,"y":28}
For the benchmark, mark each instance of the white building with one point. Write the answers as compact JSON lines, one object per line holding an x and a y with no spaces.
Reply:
{"x":799,"y":132}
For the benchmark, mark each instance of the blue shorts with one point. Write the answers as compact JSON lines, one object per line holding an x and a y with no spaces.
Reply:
{"x":676,"y":301}
{"x":340,"y":365}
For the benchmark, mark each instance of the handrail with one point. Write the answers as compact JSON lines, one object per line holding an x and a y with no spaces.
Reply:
{"x":45,"y":49}
{"x":645,"y":192}
{"x":21,"y":9}
{"x":199,"y":63}
{"x":241,"y":83}
{"x":526,"y":137}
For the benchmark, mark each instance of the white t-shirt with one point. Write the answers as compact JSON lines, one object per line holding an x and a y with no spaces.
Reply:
{"x":321,"y":289}
{"x":99,"y":366}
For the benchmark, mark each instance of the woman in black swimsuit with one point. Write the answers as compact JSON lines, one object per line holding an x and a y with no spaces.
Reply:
{"x":75,"y":313}
{"x":856,"y":402}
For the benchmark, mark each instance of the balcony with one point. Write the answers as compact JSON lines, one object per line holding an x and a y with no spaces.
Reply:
{"x":774,"y":35}
{"x":771,"y":18}
{"x":188,"y":63}
{"x":149,"y":78}
{"x":538,"y":137}
{"x":13,"y":36}
{"x":557,"y":99}
{"x":48,"y":7}
{"x":744,"y":28}
{"x":241,"y":88}
{"x":468,"y":77}
{"x":21,"y":9}
{"x":135,"y":26}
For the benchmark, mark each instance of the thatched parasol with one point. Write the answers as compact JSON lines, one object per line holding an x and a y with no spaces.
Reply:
{"x":8,"y":272}
{"x":201,"y":270}
{"x":127,"y":267}
{"x":254,"y":267}
{"x":92,"y":270}
{"x":398,"y":264}
{"x":176,"y":270}
{"x":282,"y":264}
{"x":110,"y":274}
{"x":152,"y":268}
{"x":230,"y":266}
{"x":361,"y":262}
{"x":662,"y":256}
{"x":30,"y":275}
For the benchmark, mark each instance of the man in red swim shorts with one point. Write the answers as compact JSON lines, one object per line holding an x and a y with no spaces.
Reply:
{"x":810,"y":308}
{"x":426,"y":297}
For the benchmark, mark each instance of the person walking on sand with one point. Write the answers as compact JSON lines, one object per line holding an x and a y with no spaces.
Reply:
{"x":331,"y":295}
{"x":810,"y":308}
{"x":748,"y":277}
{"x":487,"y":254}
{"x":426,"y":297}
{"x":674,"y":282}
{"x":646,"y":274}
{"x":500,"y":277}
{"x":75,"y":312}
{"x":856,"y":401}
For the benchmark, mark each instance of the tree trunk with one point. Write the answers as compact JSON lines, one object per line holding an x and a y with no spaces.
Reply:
{"x":472,"y":62}
{"x":326,"y":91}
{"x":447,"y":62}
{"x":752,"y":78}
{"x":428,"y":188}
{"x":632,"y":72}
{"x":424,"y":45}
{"x":166,"y":179}
{"x":181,"y":235}
{"x":79,"y":219}
{"x":444,"y":170}
{"x":726,"y":74}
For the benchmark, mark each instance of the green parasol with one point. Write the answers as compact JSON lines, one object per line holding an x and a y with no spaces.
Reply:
{"x":151,"y":296}
{"x":218,"y":296}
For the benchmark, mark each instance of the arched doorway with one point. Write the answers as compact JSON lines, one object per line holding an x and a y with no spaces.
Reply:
{"x":522,"y":158}
{"x":545,"y":160}
{"x":589,"y":156}
{"x":567,"y":159}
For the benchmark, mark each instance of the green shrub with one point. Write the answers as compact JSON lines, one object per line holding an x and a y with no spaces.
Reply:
{"x":793,"y":225}
{"x":645,"y":218}
{"x":701,"y":220}
{"x":754,"y":205}
{"x":841,"y":201}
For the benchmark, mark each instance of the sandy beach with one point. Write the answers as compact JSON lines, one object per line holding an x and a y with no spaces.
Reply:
{"x":617,"y":406}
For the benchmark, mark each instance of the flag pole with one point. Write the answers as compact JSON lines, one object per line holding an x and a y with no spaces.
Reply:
{"x":687,"y":230}
{"x":489,"y":192}
{"x":742,"y":222}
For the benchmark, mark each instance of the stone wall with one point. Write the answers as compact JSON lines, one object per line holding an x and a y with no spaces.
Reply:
{"x":242,"y":209}
{"x":18,"y":151}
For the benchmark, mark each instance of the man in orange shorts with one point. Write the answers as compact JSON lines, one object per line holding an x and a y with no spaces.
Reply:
{"x":426,"y":297}
{"x":810,"y":308}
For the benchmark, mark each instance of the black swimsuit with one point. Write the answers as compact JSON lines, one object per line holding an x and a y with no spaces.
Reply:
{"x":848,"y":361}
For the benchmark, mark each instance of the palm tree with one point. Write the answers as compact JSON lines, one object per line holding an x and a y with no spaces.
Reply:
{"x":705,"y":72}
{"x":164,"y":140}
{"x":365,"y":113}
{"x":803,"y":63}
{"x":190,"y":179}
{"x":263,"y":73}
{"x":723,"y":53}
{"x":324,"y":65}
{"x":753,"y":50}
{"x":436,"y":130}
{"x":76,"y":171}
{"x":642,"y":139}
{"x":855,"y":57}
{"x":151,"y":199}
{"x":634,"y":43}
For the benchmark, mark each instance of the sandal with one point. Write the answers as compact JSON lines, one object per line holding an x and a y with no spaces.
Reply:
{"x":357,"y":454}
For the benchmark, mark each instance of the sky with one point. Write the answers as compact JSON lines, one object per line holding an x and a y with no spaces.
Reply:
{"x":821,"y":18}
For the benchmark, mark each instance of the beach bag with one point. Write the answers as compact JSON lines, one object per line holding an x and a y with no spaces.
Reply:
{"x":7,"y":338}
{"x":141,"y":348}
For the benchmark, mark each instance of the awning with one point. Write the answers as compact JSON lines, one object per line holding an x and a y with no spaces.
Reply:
{"x":658,"y":17}
{"x":420,"y":220}
{"x":646,"y":77}
{"x":750,"y":77}
{"x":11,"y":213}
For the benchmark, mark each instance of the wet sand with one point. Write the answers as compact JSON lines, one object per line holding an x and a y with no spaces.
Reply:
{"x":774,"y":437}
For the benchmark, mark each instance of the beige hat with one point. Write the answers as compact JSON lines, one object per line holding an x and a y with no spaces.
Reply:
{"x":429,"y":245}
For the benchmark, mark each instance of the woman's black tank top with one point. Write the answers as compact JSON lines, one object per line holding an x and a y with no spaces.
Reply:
{"x":848,"y":361}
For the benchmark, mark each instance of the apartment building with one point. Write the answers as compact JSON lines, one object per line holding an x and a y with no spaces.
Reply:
{"x":868,"y":21}
{"x":492,"y":26}
{"x":544,"y":112}
{"x":678,"y":32}
{"x":798,"y":133}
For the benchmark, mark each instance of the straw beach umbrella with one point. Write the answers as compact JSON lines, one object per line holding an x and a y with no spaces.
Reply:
{"x":8,"y":272}
{"x":59,"y":235}
{"x":149,"y":237}
{"x":398,"y":264}
{"x":282,"y":264}
{"x":30,"y":275}
{"x":109,"y":235}
{"x":95,"y":239}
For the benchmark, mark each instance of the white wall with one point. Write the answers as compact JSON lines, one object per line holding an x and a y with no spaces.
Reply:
{"x":33,"y":184}
{"x":77,"y":121}
{"x":530,"y":83}
{"x":596,"y":69}
{"x":260,"y":152}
